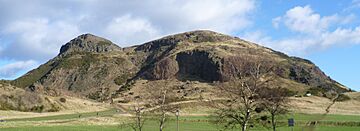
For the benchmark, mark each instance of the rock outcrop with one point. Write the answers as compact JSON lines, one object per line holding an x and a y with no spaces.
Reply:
{"x":88,"y":43}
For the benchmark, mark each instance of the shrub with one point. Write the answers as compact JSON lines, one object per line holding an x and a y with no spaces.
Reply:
{"x":63,"y":100}
{"x":37,"y":108}
{"x":124,"y":101}
{"x":121,"y":79}
{"x":104,"y":43}
{"x":342,"y":97}
{"x":317,"y":91}
{"x":290,"y":92}
{"x":54,"y":108}
{"x":263,"y":118}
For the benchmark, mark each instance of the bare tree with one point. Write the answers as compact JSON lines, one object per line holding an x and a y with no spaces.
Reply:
{"x":159,"y":97}
{"x":138,"y":118}
{"x":275,"y":101}
{"x":242,"y":94}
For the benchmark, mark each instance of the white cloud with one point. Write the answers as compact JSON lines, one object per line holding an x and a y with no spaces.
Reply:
{"x":294,"y":46}
{"x":36,"y":30}
{"x":302,"y":45}
{"x":128,"y":29}
{"x":41,"y":27}
{"x":304,"y":20}
{"x":11,"y":70}
{"x":37,"y":38}
{"x":215,"y":13}
{"x":178,"y":16}
{"x":312,"y":32}
{"x":341,"y":36}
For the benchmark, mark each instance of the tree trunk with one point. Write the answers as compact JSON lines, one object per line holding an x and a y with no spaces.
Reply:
{"x":162,"y":121}
{"x":139,"y":123}
{"x":246,"y":119}
{"x":273,"y":122}
{"x":138,"y":119}
{"x":243,"y":127}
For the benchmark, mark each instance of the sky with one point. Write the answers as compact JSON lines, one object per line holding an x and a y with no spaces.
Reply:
{"x":327,"y":32}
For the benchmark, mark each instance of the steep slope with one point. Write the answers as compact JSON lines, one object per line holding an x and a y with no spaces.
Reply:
{"x":93,"y":67}
{"x":87,"y":66}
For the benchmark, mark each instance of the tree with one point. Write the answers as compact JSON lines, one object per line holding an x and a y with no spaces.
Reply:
{"x":242,"y":94}
{"x":275,"y":102}
{"x":138,"y":117}
{"x":159,"y":96}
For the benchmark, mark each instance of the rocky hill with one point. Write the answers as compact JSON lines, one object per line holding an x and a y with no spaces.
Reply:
{"x":93,"y":67}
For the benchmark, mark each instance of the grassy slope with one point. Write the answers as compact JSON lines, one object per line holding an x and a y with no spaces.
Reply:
{"x":32,"y":76}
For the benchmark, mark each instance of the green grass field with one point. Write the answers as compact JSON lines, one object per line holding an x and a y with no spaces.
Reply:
{"x":189,"y":123}
{"x":190,"y":126}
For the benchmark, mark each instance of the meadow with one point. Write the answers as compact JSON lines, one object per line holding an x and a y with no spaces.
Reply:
{"x":72,"y":122}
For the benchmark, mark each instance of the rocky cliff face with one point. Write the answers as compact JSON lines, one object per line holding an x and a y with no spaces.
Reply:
{"x":93,"y":67}
{"x":198,"y":64}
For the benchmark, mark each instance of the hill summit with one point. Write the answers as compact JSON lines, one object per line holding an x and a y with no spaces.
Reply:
{"x":88,"y":43}
{"x":93,"y":67}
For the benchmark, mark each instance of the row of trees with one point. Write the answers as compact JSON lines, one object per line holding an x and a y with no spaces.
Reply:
{"x":245,"y":100}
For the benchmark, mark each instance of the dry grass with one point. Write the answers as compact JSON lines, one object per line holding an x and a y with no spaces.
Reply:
{"x":312,"y":104}
{"x":71,"y":106}
{"x":66,"y":122}
{"x":317,"y":105}
{"x":354,"y":95}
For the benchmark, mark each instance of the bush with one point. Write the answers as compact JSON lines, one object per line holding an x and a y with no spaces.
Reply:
{"x":124,"y":101}
{"x":37,"y":108}
{"x":263,"y":118}
{"x":342,"y":97}
{"x":290,"y":92}
{"x":63,"y":100}
{"x":317,"y":91}
{"x":121,"y":79}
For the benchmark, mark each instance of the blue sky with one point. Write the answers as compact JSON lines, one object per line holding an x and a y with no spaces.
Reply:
{"x":326,"y":32}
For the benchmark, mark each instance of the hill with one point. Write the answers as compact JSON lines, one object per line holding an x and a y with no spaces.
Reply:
{"x":93,"y":67}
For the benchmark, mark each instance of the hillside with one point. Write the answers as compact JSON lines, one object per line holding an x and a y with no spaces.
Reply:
{"x":13,"y":98}
{"x":92,"y":67}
